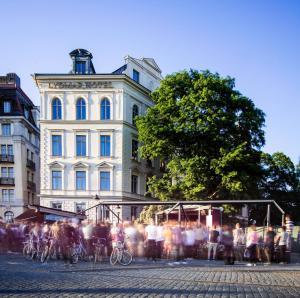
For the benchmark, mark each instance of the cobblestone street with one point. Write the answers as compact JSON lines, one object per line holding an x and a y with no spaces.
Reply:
{"x":21,"y":278}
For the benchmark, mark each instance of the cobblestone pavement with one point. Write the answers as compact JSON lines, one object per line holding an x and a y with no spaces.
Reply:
{"x":21,"y":278}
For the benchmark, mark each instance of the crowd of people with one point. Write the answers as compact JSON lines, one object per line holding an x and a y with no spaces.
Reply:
{"x":170,"y":240}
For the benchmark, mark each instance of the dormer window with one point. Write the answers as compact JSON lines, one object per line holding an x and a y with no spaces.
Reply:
{"x":136,"y":76}
{"x":82,"y":62}
{"x":7,"y":107}
{"x":26,"y":113}
{"x":80,"y":67}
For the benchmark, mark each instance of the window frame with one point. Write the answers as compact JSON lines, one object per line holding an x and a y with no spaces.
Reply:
{"x":106,"y":187}
{"x":81,"y":109}
{"x":52,"y":179}
{"x":56,"y":109}
{"x":6,"y":103}
{"x":105,"y":109}
{"x":84,"y":187}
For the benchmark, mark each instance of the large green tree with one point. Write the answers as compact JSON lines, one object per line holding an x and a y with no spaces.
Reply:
{"x":280,"y":182}
{"x":208,"y":134}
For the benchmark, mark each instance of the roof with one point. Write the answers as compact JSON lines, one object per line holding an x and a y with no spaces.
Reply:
{"x":81,"y":53}
{"x":42,"y":209}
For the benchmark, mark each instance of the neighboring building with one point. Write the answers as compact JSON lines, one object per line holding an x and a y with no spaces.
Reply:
{"x":19,"y":142}
{"x":89,"y":138}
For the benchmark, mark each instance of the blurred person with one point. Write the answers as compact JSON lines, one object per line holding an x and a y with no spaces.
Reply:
{"x":251,"y":244}
{"x":150,"y":236}
{"x":131,"y":237}
{"x":238,"y":242}
{"x":227,"y":240}
{"x":189,"y":241}
{"x":159,"y":240}
{"x":177,"y":241}
{"x":269,"y":244}
{"x":87,"y":234}
{"x":167,"y":234}
{"x":282,"y":239}
{"x":213,"y":240}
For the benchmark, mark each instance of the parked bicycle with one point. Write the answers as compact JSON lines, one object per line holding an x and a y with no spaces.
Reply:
{"x":99,"y":253}
{"x":120,"y":254}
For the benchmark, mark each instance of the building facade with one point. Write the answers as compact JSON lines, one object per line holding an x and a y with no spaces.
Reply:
{"x":89,"y":140}
{"x":19,"y":142}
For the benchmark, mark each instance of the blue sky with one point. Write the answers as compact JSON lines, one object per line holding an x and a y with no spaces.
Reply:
{"x":257,"y":42}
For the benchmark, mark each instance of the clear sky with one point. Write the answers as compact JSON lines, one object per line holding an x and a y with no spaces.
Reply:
{"x":257,"y":42}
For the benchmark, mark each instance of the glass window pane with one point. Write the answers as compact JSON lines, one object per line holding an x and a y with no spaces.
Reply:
{"x":80,"y":109}
{"x":105,"y":145}
{"x":80,"y":180}
{"x":3,"y":172}
{"x":56,"y":145}
{"x":136,"y":76}
{"x":56,"y":179}
{"x":10,"y":150}
{"x":105,"y":109}
{"x":104,"y":180}
{"x":80,"y":145}
{"x":6,"y":130}
{"x":56,"y":109}
{"x":7,"y":107}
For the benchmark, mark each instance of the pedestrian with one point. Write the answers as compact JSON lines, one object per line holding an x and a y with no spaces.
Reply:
{"x":238,"y":242}
{"x":282,"y":239}
{"x":269,"y":245}
{"x":251,"y":244}
{"x":213,"y":240}
{"x":150,"y":236}
{"x":227,"y":240}
{"x":159,"y":240}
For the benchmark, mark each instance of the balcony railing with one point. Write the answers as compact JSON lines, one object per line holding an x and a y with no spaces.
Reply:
{"x":6,"y":158}
{"x":31,"y":186}
{"x":30,"y":164}
{"x":7,"y":181}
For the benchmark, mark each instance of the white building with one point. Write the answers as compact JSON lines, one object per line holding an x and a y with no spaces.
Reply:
{"x":88,"y":136}
{"x":19,"y":142}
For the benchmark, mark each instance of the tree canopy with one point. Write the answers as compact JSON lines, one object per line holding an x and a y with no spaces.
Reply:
{"x":208,"y":134}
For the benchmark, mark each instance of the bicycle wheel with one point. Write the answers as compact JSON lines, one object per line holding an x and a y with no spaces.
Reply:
{"x":126,"y":258}
{"x":45,"y":254}
{"x":27,"y":251}
{"x":114,"y":256}
{"x":73,"y":256}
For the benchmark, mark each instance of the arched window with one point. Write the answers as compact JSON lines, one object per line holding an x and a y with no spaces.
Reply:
{"x":9,"y":216}
{"x":80,"y":109}
{"x":105,"y":109}
{"x":135,"y":112}
{"x":56,"y":109}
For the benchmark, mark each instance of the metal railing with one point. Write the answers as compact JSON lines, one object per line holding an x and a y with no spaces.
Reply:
{"x":7,"y":181}
{"x":6,"y":158}
{"x":30,"y":164}
{"x":31,"y":186}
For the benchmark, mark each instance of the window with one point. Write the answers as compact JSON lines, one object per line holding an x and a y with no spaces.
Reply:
{"x":26,"y":113}
{"x":56,"y":109}
{"x":56,"y":180}
{"x":10,"y":150}
{"x":9,"y":217}
{"x":135,"y":113}
{"x":57,"y":205}
{"x":80,"y":207}
{"x":134,"y":183}
{"x":105,"y":145}
{"x":80,"y":109}
{"x":133,"y":212}
{"x":56,"y":145}
{"x":7,"y":107}
{"x":32,"y":177}
{"x":7,"y":172}
{"x":80,"y":145}
{"x":104,"y":180}
{"x":31,"y":154}
{"x":105,"y":109}
{"x":136,"y":76}
{"x":28,"y":154}
{"x":80,"y":67}
{"x":134,"y":149}
{"x":8,"y":195}
{"x":6,"y":130}
{"x":80,"y":180}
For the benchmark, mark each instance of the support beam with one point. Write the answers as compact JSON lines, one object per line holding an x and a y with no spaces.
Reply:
{"x":268,"y":214}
